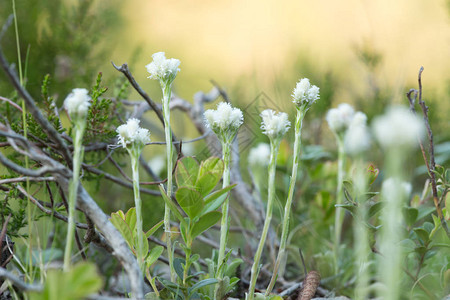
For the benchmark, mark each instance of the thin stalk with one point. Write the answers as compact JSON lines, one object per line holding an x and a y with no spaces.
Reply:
{"x":361,"y":234}
{"x":287,"y":209}
{"x":77,"y":159}
{"x":138,"y":204}
{"x":167,"y":91}
{"x":187,"y":263}
{"x":224,"y":224}
{"x":274,"y":145}
{"x":339,"y":218}
{"x":393,"y":196}
{"x":25,"y":134}
{"x":152,"y":283}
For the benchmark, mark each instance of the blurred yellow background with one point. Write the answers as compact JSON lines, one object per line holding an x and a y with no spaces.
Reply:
{"x":223,"y":40}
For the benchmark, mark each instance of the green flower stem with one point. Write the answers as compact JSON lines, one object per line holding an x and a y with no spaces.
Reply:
{"x":152,"y":283}
{"x":360,"y":233}
{"x":224,"y":225}
{"x":188,"y":253}
{"x":390,"y":268}
{"x":80,"y":125}
{"x":134,"y":154}
{"x":167,"y":91}
{"x":274,"y":146}
{"x":287,"y":209}
{"x":339,"y":218}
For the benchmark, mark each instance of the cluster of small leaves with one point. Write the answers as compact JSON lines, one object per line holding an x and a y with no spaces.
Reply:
{"x":424,"y":242}
{"x":101,"y":121}
{"x":79,"y":282}
{"x":198,"y":202}
{"x":18,"y":218}
{"x":49,"y":106}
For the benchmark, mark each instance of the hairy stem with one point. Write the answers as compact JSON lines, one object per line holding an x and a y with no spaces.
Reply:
{"x":138,"y":204}
{"x":287,"y":207}
{"x":225,"y":223}
{"x":393,"y":196}
{"x":274,"y":145}
{"x":339,"y":218}
{"x":360,"y":233}
{"x":167,"y":91}
{"x":77,"y":159}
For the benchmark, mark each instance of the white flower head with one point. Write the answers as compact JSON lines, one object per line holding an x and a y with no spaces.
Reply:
{"x":163,"y":69}
{"x":259,"y":155}
{"x":130,"y":133}
{"x":274,"y":125}
{"x":398,"y":127}
{"x":225,"y":120}
{"x":77,"y":103}
{"x":305,"y":93}
{"x":395,"y":186}
{"x":339,"y":118}
{"x":357,"y":137}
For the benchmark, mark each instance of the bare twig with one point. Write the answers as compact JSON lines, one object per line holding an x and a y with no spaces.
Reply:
{"x":126,"y":71}
{"x":46,"y":210}
{"x":16,"y":281}
{"x":431,"y":165}
{"x":6,"y":25}
{"x":26,"y":178}
{"x":34,"y":110}
{"x":28,"y":172}
{"x":62,"y":176}
{"x":11,"y":103}
{"x":118,"y":180}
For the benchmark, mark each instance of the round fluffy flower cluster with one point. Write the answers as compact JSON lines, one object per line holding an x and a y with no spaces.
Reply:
{"x":398,"y":128}
{"x":339,"y":118}
{"x":224,"y":119}
{"x":274,"y":125}
{"x":392,"y":185}
{"x":130,"y":133}
{"x":357,"y":137}
{"x":77,"y":103}
{"x":163,"y":69}
{"x":305,"y":93}
{"x":259,"y":155}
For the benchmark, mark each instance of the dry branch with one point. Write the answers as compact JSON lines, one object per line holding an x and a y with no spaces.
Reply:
{"x":431,"y":164}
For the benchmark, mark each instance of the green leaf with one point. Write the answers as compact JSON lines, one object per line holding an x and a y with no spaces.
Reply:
{"x":232,"y":267}
{"x":144,"y":244}
{"x":206,"y":183}
{"x":151,"y":296}
{"x":130,"y":218}
{"x":122,"y":227}
{"x":153,"y":256}
{"x":190,"y":201}
{"x":172,"y":206}
{"x":178,"y":265}
{"x":205,"y":222}
{"x":350,"y":207}
{"x":425,"y":211}
{"x":213,"y":165}
{"x":374,"y":209}
{"x":410,"y":214}
{"x":215,"y":200}
{"x":202,"y":283}
{"x":80,"y":281}
{"x":186,"y":172}
{"x":172,"y":287}
{"x":422,"y":234}
{"x":154,"y":228}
